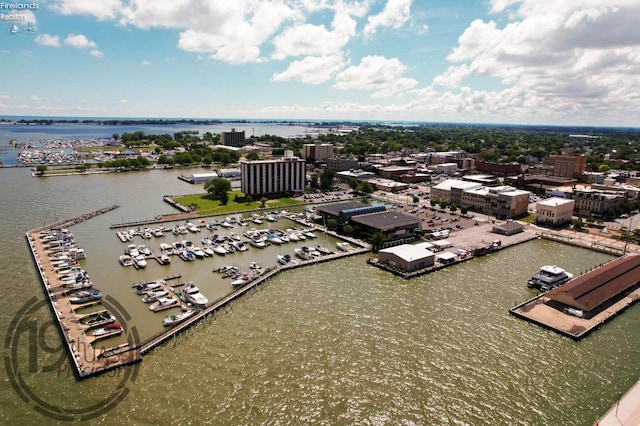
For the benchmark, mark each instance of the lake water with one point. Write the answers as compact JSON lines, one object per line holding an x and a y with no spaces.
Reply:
{"x":25,"y":134}
{"x":338,"y":343}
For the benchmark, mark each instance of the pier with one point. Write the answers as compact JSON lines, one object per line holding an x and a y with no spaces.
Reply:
{"x":86,"y":359}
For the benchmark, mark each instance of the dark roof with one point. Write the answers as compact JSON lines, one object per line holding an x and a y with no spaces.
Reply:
{"x":335,"y":209}
{"x":589,"y":291}
{"x":509,"y":226}
{"x":386,"y":220}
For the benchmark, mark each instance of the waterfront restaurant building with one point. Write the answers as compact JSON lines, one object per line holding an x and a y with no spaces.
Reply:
{"x":272,"y":177}
{"x":398,"y":228}
{"x":407,"y":257}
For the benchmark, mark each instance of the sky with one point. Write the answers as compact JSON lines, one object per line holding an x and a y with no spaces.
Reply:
{"x":535,"y":62}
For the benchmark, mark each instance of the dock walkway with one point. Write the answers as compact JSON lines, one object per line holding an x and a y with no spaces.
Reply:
{"x":625,"y":412}
{"x":85,"y":359}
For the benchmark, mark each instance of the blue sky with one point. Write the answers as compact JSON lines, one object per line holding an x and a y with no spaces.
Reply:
{"x":494,"y":61}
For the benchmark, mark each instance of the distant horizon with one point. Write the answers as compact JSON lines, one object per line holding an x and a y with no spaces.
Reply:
{"x":508,"y":62}
{"x":306,"y":121}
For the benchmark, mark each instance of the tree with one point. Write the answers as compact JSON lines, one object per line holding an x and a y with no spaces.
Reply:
{"x":347,"y":229}
{"x":326,"y":179}
{"x":366,"y":187}
{"x":332,"y":224}
{"x":453,"y":207}
{"x":217,"y":187}
{"x":416,"y":199}
{"x":224,"y":198}
{"x":377,"y":240}
{"x":252,"y":156}
{"x":263,"y":202}
{"x":115,"y":136}
{"x":41,"y":170}
{"x":353,"y":183}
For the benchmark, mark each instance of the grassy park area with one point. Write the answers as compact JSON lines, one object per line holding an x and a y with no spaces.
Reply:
{"x":206,"y":205}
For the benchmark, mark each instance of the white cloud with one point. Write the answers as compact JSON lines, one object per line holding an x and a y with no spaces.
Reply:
{"x":566,"y":57}
{"x":453,"y":76}
{"x":101,"y":9}
{"x":312,"y":69}
{"x":96,"y":53}
{"x":394,"y":15}
{"x":145,"y":63}
{"x":79,"y":41}
{"x":307,"y":39}
{"x":48,"y":40}
{"x":382,"y":75}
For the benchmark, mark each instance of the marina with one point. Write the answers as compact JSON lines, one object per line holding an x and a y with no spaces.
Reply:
{"x":68,"y":306}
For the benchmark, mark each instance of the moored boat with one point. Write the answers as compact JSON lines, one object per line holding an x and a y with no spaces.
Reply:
{"x":85,"y":296}
{"x":177,"y":318}
{"x":152,"y":296}
{"x":191,"y":294}
{"x":163,"y":303}
{"x":344,"y":246}
{"x":548,"y":277}
{"x":126,"y":260}
{"x":108,"y":329}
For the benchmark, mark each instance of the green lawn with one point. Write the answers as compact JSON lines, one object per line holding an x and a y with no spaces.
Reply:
{"x":207,"y":206}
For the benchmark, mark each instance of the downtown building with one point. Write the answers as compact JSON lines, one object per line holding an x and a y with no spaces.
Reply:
{"x":273,"y":176}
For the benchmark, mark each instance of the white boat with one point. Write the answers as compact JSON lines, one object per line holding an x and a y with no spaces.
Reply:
{"x":163,"y":303}
{"x":140,"y":261}
{"x":257,"y":241}
{"x":240,"y":246}
{"x":191,"y":294}
{"x":309,"y":234}
{"x":283,"y":259}
{"x":143,"y":249}
{"x":85,"y":296}
{"x":218,"y":249}
{"x":344,"y":246}
{"x":241,"y":280}
{"x":192,"y":228}
{"x":548,"y":277}
{"x":302,"y":254}
{"x":108,"y":330}
{"x":177,"y":318}
{"x":273,"y":239}
{"x":132,"y":250}
{"x":126,"y":260}
{"x":165,"y":259}
{"x":147,"y":287}
{"x":254,"y":265}
{"x":199,"y":252}
{"x":101,"y":319}
{"x":152,"y":296}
